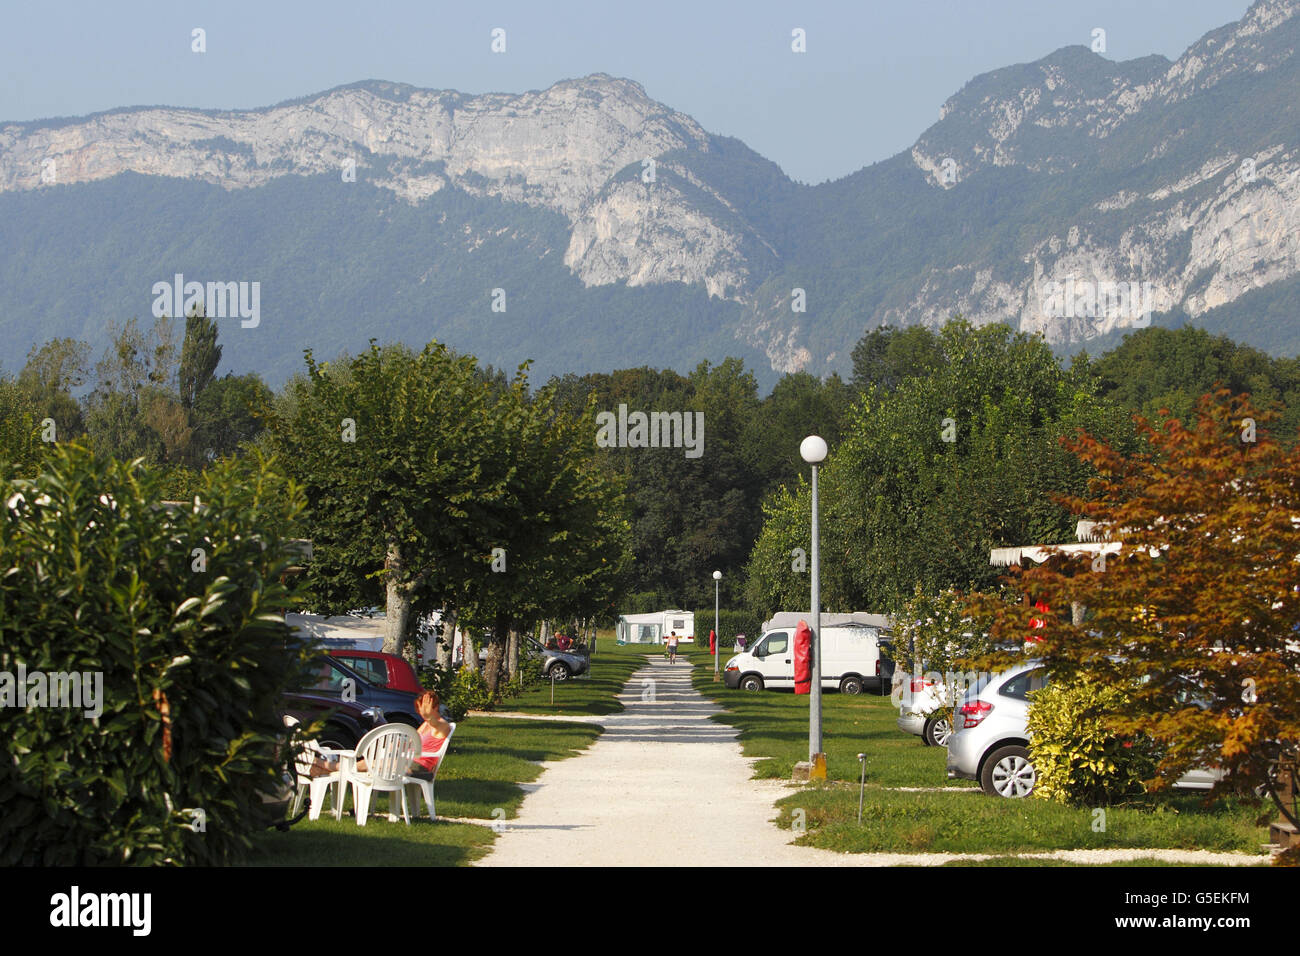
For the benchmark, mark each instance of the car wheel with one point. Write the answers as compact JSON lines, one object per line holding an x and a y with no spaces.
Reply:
{"x":396,"y":718}
{"x":334,"y":737}
{"x":751,"y":682}
{"x":559,"y":671}
{"x":851,"y":685}
{"x":1008,"y":773}
{"x":937,"y":731}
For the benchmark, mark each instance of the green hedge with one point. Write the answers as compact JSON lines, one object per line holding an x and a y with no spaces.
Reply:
{"x":730,"y":623}
{"x":97,"y":578}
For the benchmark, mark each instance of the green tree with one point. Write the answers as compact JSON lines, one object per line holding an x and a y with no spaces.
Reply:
{"x":53,"y":370}
{"x":933,"y":473}
{"x":886,"y":356}
{"x":200,"y":356}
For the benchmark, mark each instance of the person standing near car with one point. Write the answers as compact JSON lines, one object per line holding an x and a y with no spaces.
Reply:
{"x":672,"y":647}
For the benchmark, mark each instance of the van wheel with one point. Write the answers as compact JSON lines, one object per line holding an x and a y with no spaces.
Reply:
{"x":1007,"y":772}
{"x":751,"y":682}
{"x":851,"y":685}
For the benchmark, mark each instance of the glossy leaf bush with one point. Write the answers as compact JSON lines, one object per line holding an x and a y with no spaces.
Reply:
{"x":181,"y":610}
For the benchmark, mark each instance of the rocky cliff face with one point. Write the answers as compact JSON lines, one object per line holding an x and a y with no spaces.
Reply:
{"x":1135,"y":188}
{"x":1219,"y":220}
{"x":560,"y":148}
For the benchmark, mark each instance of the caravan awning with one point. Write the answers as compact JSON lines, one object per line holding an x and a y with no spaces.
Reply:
{"x":344,"y":631}
{"x":1004,"y":557}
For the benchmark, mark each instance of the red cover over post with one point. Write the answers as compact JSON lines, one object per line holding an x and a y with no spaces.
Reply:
{"x":713,"y":642}
{"x":803,"y":658}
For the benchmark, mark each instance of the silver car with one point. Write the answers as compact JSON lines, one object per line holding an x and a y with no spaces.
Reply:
{"x":990,"y":742}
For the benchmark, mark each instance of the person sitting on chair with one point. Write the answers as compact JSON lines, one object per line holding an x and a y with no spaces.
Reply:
{"x":433,"y":735}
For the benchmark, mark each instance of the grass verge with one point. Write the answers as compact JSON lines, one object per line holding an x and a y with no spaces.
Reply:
{"x":940,"y":815}
{"x":489,"y":758}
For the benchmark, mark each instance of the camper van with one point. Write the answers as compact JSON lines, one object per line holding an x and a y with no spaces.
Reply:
{"x":850,"y":647}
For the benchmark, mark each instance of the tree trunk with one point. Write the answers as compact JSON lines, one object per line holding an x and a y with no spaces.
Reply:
{"x":546,"y":632}
{"x":448,"y":640}
{"x":397,"y":620}
{"x":512,"y":653}
{"x":496,"y":651}
{"x":469,"y":653}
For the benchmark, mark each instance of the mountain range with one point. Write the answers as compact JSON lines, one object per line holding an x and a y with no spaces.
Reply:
{"x":588,"y":227}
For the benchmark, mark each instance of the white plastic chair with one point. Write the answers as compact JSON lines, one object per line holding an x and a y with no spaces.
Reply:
{"x":418,"y":786}
{"x":388,"y":751}
{"x":316,"y":786}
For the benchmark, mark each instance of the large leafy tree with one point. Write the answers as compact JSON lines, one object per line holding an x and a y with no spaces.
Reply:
{"x":407,"y":477}
{"x":441,"y":487}
{"x":1159,"y":368}
{"x":563,"y":551}
{"x":934,"y":472}
{"x":1196,"y":615}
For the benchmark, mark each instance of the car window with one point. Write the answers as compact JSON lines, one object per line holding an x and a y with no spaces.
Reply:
{"x":372,"y":670}
{"x":1024,"y":684}
{"x":777,"y":643}
{"x":327,"y":678}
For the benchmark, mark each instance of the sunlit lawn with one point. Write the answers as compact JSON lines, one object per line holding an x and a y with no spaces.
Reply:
{"x":955,"y":816}
{"x":611,"y":666}
{"x":489,"y":757}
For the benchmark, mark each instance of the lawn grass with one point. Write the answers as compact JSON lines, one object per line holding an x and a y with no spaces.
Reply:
{"x":1143,"y":862}
{"x":971,"y":822}
{"x":489,"y":758}
{"x":946,"y":816}
{"x":611,"y":666}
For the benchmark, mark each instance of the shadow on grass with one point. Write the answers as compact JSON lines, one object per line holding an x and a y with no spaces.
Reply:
{"x":378,"y":843}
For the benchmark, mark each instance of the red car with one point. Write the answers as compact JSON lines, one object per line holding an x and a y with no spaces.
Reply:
{"x":382,"y":670}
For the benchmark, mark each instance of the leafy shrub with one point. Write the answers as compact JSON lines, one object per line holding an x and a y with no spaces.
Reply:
{"x":460,"y":690}
{"x":730,"y":623}
{"x":96,"y":577}
{"x":1077,"y":759}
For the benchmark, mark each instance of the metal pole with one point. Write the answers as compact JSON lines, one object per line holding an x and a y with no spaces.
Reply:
{"x":815,"y":703}
{"x":717,"y":634}
{"x":862,"y":759}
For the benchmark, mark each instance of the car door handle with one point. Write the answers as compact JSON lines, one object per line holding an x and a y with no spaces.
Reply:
{"x":787,"y":660}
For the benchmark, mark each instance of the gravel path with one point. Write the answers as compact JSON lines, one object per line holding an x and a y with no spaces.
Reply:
{"x":665,"y":786}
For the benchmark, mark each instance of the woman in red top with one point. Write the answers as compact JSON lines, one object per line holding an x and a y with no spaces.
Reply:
{"x":433,"y":738}
{"x":433,"y":734}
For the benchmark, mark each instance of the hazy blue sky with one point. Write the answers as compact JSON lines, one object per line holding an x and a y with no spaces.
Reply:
{"x":872,"y":80}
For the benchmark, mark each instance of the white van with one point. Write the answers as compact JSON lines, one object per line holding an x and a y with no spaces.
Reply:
{"x":850,"y":660}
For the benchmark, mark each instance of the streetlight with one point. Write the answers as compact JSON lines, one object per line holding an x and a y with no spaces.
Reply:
{"x":813,"y":450}
{"x":717,"y":634}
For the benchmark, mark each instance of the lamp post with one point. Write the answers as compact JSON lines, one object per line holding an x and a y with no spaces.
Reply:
{"x":813,"y":450}
{"x":717,"y":634}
